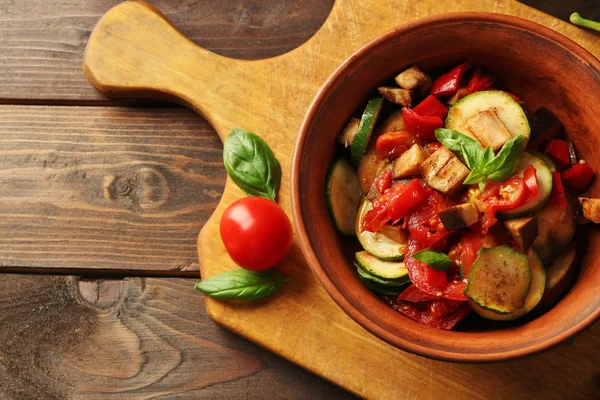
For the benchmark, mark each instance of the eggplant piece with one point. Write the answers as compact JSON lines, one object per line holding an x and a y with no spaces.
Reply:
{"x":556,"y":228}
{"x":370,"y":168}
{"x":413,"y":78}
{"x":349,"y":133}
{"x":559,"y":276}
{"x":408,"y":164}
{"x":523,"y":230}
{"x":460,"y":216}
{"x":544,"y":126}
{"x":590,"y":209}
{"x":444,"y":172}
{"x":393,"y":123}
{"x":402,"y":97}
{"x":489,"y":129}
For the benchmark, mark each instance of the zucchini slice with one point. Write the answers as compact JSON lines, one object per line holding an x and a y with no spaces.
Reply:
{"x":544,"y":178}
{"x":380,"y":288}
{"x":388,"y":272}
{"x":547,"y":160}
{"x":343,"y":196}
{"x":365,"y":130}
{"x":508,"y":110}
{"x":536,"y":292}
{"x":382,"y":246}
{"x":499,"y":279}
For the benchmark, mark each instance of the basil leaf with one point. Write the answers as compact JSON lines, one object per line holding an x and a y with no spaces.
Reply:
{"x":482,"y":185}
{"x":251,"y":164}
{"x":469,"y":149}
{"x":477,"y":175}
{"x":241,"y":284}
{"x":488,"y":155}
{"x":434,"y":259}
{"x":504,"y":165}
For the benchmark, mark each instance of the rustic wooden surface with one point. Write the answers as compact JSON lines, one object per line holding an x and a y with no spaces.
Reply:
{"x":52,"y":335}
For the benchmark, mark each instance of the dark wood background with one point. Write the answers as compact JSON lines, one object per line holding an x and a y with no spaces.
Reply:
{"x":98,"y":253}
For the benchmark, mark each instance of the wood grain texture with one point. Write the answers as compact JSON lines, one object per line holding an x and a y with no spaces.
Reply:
{"x":66,"y":338}
{"x":105,"y":189}
{"x":141,"y":338}
{"x":268,"y":97}
{"x":44,"y":49}
{"x":42,"y":41}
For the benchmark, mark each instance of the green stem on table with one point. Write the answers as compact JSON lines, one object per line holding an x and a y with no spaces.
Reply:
{"x":586,"y":23}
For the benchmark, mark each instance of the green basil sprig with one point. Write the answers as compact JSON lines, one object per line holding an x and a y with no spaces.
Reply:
{"x":434,"y":259}
{"x":251,"y":164}
{"x":483,"y":164}
{"x":469,"y":150}
{"x":241,"y":284}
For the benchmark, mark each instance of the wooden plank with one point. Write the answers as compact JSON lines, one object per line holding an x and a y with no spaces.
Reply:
{"x":136,"y":338}
{"x":105,"y":188}
{"x":42,"y":41}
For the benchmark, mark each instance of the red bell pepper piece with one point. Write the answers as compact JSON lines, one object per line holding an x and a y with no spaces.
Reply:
{"x":393,"y":205}
{"x":447,"y":84}
{"x":479,"y":81}
{"x":557,"y":195}
{"x":432,"y":147}
{"x":507,"y":195}
{"x":530,"y":178}
{"x":578,"y":177}
{"x":440,"y":314}
{"x":558,"y":151}
{"x":422,"y":126}
{"x":431,"y":107}
{"x":392,"y":144}
{"x":384,"y":182}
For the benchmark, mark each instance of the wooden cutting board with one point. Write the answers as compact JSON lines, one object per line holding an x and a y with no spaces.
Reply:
{"x":135,"y":52}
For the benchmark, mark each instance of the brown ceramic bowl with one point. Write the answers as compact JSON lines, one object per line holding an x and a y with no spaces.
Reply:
{"x":539,"y":65}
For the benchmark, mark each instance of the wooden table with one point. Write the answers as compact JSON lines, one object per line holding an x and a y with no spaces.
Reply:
{"x":101,"y":203}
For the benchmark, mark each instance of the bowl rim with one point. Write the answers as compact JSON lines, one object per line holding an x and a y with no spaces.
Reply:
{"x":300,"y":226}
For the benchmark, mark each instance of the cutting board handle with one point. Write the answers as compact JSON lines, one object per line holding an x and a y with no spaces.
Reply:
{"x":135,"y":52}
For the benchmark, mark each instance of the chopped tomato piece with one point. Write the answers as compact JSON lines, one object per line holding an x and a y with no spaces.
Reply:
{"x":393,"y":205}
{"x":432,"y":147}
{"x":424,"y":223}
{"x":557,"y":195}
{"x":479,"y":81}
{"x":530,"y":178}
{"x":504,"y":196}
{"x":431,"y":107}
{"x":578,"y":177}
{"x":447,"y":84}
{"x":384,"y":182}
{"x":422,"y":275}
{"x":421,"y":126}
{"x":440,"y":314}
{"x":416,"y":295}
{"x":558,"y":151}
{"x":393,"y":144}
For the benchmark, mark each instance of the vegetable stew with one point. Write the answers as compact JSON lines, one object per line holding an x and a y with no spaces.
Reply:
{"x":461,"y":200}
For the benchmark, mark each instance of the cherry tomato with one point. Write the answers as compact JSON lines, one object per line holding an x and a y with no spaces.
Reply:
{"x":256,"y":232}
